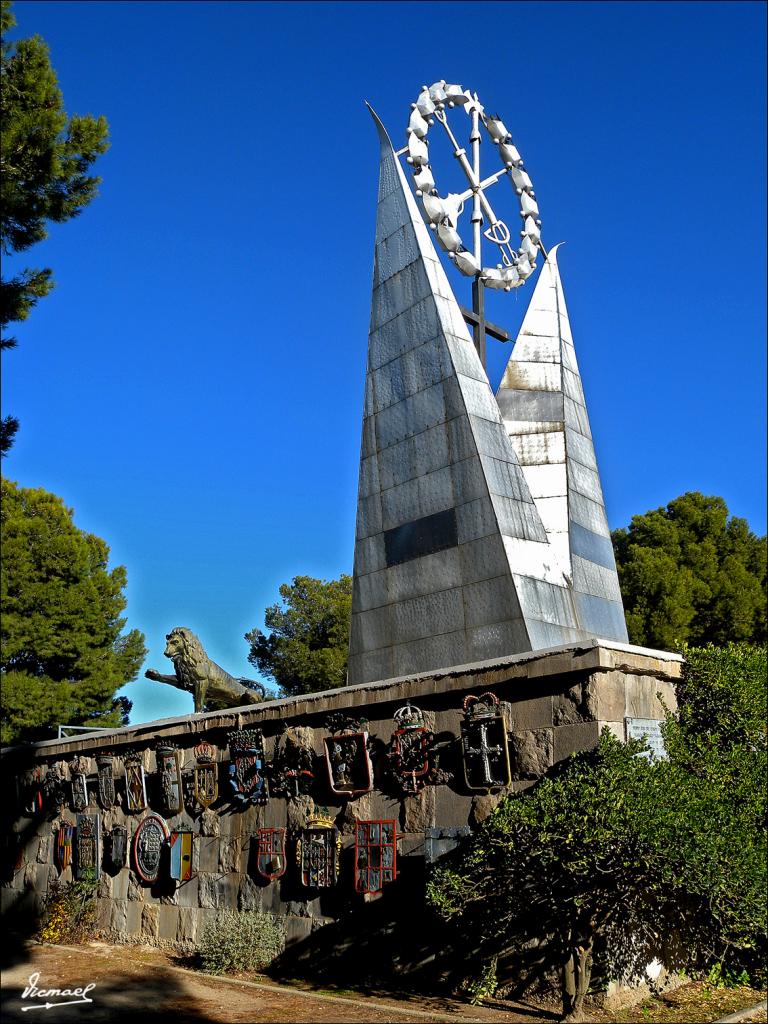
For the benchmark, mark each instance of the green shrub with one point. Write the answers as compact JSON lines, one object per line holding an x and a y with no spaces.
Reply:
{"x":247,"y":941}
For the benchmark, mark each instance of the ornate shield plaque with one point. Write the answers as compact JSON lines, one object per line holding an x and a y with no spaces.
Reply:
{"x":484,"y":743}
{"x":54,"y":788}
{"x":180,"y":845}
{"x":63,"y":850}
{"x":148,"y":842}
{"x":206,"y":774}
{"x":116,"y":848}
{"x":270,"y":856}
{"x":318,"y":852}
{"x":346,"y":756}
{"x":169,"y":769}
{"x":104,"y":764}
{"x":292,"y":770}
{"x":88,"y":852}
{"x":135,"y":783}
{"x":246,"y":773}
{"x":375,"y":855}
{"x":79,"y":781}
{"x":409,"y":750}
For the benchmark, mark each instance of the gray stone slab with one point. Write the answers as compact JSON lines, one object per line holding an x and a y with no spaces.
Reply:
{"x":576,"y":417}
{"x":545,"y":602}
{"x":369,"y":515}
{"x":417,"y":618}
{"x":518,"y":518}
{"x":394,"y":253}
{"x":506,"y":479}
{"x":580,"y":448}
{"x":489,"y":601}
{"x":585,"y":481}
{"x":587,"y":513}
{"x":430,"y":653}
{"x":476,"y":519}
{"x":531,"y":405}
{"x":416,"y":413}
{"x":416,"y":498}
{"x":439,"y":571}
{"x":371,"y":629}
{"x":594,"y":579}
{"x":600,"y":618}
{"x":408,"y":330}
{"x":464,"y":357}
{"x":592,"y":546}
{"x":483,"y":558}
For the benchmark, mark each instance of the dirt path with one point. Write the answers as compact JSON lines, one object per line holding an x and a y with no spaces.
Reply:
{"x":142,"y":984}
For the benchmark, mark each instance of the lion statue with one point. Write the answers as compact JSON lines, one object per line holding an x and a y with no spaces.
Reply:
{"x":212,"y":688}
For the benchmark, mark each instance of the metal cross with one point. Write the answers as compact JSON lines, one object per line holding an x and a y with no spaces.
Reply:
{"x":484,"y":751}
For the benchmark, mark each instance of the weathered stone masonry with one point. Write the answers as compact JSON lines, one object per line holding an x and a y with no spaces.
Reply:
{"x":555,"y":702}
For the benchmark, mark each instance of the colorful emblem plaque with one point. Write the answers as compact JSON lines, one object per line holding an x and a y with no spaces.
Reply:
{"x":484,"y":743}
{"x":135,"y":783}
{"x":63,"y":849}
{"x":79,"y":781}
{"x":346,"y":756}
{"x":54,"y":788}
{"x":270,"y":855}
{"x":116,"y":848}
{"x":106,"y":781}
{"x":88,"y":849}
{"x":169,"y":769}
{"x":318,"y":851}
{"x":246,"y":772}
{"x":375,"y":855}
{"x":292,"y":772}
{"x":180,"y":844}
{"x":206,"y":774}
{"x":148,"y":842}
{"x":409,"y":750}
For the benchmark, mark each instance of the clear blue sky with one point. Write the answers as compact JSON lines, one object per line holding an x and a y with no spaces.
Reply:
{"x":193,"y":387}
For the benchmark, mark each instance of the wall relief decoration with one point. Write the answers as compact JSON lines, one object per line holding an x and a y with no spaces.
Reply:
{"x":270,"y":854}
{"x":346,"y":756}
{"x":292,"y":771}
{"x":63,"y":846}
{"x":169,"y":770}
{"x":105,"y":764}
{"x":88,"y":848}
{"x":148,"y":843}
{"x":246,"y":772}
{"x":54,"y":788}
{"x":206,"y":774}
{"x":484,"y":743}
{"x":180,"y":845}
{"x":317,"y":853}
{"x":409,"y":749}
{"x":78,"y":768}
{"x":375,"y":855}
{"x":135,"y":782}
{"x":115,"y":848}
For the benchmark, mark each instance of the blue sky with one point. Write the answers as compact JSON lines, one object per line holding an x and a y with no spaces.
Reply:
{"x":193,"y":387}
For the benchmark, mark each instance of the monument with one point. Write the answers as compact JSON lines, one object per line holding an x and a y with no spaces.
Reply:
{"x":481,"y":526}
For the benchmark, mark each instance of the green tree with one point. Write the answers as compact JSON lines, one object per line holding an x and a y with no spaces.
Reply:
{"x":63,"y":655}
{"x":618,"y":852}
{"x":690,"y":573}
{"x":308,"y":644}
{"x":44,"y":165}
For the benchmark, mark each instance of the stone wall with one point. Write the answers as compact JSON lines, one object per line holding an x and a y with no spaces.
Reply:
{"x":554,"y":702}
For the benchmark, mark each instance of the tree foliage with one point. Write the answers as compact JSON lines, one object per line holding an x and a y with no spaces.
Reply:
{"x":62,"y":652}
{"x":307,"y":647}
{"x":689,"y":573}
{"x":44,"y":172}
{"x":622,"y":852}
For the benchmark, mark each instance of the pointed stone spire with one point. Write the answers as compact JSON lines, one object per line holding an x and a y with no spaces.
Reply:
{"x":542,"y":401}
{"x":452,"y":561}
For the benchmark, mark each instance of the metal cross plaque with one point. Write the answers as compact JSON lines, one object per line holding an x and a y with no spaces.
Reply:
{"x":148,"y":843}
{"x":484,"y":743}
{"x":88,"y":850}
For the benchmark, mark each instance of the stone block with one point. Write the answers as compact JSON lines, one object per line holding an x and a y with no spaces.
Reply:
{"x":103,"y":917}
{"x":229,"y":855}
{"x":249,"y":894}
{"x":642,"y":699}
{"x":418,"y":812}
{"x":569,"y":739}
{"x":118,"y":923}
{"x":297,"y":929}
{"x":121,"y":884}
{"x":529,"y":713}
{"x":187,"y":927}
{"x":208,"y":853}
{"x":135,"y":889}
{"x":105,"y":887}
{"x":531,"y":753}
{"x":606,"y":695}
{"x":210,"y":824}
{"x":571,"y":707}
{"x":150,"y":923}
{"x":617,"y":728}
{"x":132,"y":921}
{"x":44,"y":849}
{"x":483,"y":805}
{"x":209,"y":892}
{"x":168,"y":925}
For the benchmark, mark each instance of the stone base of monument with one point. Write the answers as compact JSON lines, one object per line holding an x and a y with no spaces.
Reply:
{"x":552,"y":703}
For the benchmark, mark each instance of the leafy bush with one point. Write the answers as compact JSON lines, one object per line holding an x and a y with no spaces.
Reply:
{"x":69,"y":910}
{"x":247,"y":941}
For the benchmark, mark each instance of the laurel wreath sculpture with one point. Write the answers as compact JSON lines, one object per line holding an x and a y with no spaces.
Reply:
{"x":443,"y":213}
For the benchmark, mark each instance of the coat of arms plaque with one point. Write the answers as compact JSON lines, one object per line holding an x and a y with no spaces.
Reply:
{"x":206,"y":780}
{"x":180,"y":844}
{"x":317,"y":852}
{"x":169,"y":770}
{"x":270,"y":855}
{"x":350,"y":772}
{"x":148,"y":844}
{"x":88,"y":850}
{"x":375,"y":855}
{"x":79,"y":782}
{"x":246,"y":772}
{"x":115,"y":848}
{"x":106,"y":781}
{"x":135,"y":783}
{"x":409,"y":750}
{"x":484,"y":743}
{"x":63,"y":848}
